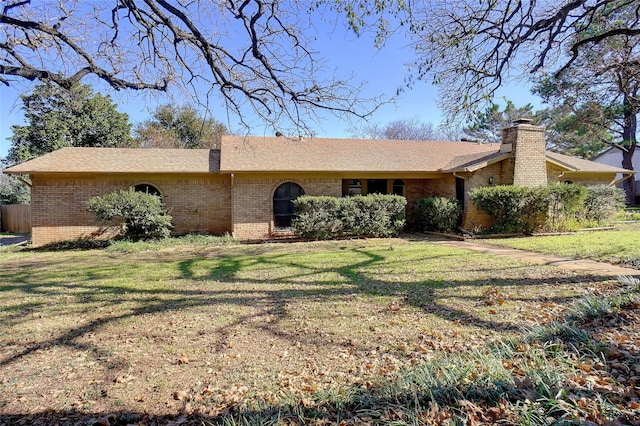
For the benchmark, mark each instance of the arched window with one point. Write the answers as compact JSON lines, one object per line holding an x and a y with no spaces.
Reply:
{"x":398,"y":187}
{"x":147,"y":189}
{"x":282,"y":205}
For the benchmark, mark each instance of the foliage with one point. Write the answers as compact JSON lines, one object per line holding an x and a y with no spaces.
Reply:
{"x":323,"y":217}
{"x":603,"y":203}
{"x":174,"y":126}
{"x":58,"y":118}
{"x":140,"y":215}
{"x":257,"y":56}
{"x":12,"y":191}
{"x":486,"y":126}
{"x":437,"y":214}
{"x":580,"y":134}
{"x":564,"y":201}
{"x":600,"y":92}
{"x":514,"y":208}
{"x":555,"y":207}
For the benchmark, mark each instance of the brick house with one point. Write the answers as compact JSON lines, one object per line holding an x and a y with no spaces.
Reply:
{"x":245,"y":187}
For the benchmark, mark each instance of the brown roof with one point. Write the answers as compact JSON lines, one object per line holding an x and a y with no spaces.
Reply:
{"x":273,"y":154}
{"x":579,"y":165}
{"x":270,"y":154}
{"x":122,"y":160}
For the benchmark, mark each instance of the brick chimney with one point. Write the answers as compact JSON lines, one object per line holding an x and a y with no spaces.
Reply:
{"x":527,"y":146}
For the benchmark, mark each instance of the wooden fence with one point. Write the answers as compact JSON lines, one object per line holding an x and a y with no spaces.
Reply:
{"x":15,"y":218}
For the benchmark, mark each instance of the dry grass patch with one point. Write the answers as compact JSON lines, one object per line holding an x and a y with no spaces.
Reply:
{"x":205,"y":329}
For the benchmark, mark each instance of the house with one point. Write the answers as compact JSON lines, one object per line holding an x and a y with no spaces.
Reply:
{"x":245,"y":187}
{"x":613,"y":157}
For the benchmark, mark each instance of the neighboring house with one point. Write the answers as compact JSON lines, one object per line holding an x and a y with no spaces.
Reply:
{"x":613,"y":157}
{"x":245,"y":187}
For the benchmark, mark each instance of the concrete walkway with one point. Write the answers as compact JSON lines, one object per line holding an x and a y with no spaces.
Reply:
{"x":587,"y":267}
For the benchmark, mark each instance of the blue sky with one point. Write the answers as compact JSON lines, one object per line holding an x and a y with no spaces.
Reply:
{"x":384,"y":70}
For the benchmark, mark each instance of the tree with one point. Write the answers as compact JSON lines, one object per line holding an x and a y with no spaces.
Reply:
{"x":602,"y":91}
{"x":58,"y":117}
{"x":255,"y":54}
{"x":12,"y":191}
{"x":469,"y":49}
{"x":179,"y":127}
{"x":486,"y":126}
{"x":403,"y":129}
{"x":579,"y":133}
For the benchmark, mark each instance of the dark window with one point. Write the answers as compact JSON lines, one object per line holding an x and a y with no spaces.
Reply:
{"x":282,"y":205}
{"x":398,"y":187}
{"x":355,"y":187}
{"x":460,"y":191}
{"x":147,"y":189}
{"x":377,"y":186}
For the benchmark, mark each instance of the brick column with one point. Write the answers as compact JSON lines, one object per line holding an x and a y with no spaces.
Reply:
{"x":528,"y":159}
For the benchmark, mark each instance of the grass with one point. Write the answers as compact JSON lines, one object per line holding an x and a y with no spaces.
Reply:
{"x":259,"y":333}
{"x":621,"y":246}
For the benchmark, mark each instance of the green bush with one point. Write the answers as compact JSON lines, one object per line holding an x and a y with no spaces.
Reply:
{"x":514,"y":208}
{"x":565,"y":202}
{"x":140,"y":215}
{"x":317,"y":217}
{"x":437,"y":214}
{"x":557,"y":207}
{"x":324,"y":217}
{"x":603,"y":203}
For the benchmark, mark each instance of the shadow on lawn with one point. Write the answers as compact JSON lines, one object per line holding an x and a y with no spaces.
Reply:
{"x":358,"y":278}
{"x":82,"y":283}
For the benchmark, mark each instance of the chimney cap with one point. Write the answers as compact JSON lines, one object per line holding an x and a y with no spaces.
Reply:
{"x":523,"y":120}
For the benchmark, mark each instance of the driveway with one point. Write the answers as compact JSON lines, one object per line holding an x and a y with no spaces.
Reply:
{"x":11,"y":239}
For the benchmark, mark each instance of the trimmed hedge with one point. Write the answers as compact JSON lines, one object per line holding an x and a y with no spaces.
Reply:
{"x":556,"y":207}
{"x":514,"y":208}
{"x":323,"y":218}
{"x":141,"y":216}
{"x":439,"y":214}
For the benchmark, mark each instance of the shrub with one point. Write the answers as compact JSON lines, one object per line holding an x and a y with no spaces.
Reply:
{"x":363,"y":216}
{"x":564,"y":201}
{"x":603,"y":203}
{"x":514,"y":208}
{"x":317,"y":217}
{"x":140,"y":215}
{"x":437,"y":214}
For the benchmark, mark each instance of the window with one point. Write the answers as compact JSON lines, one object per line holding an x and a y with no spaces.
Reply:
{"x":282,"y":205}
{"x":147,"y":189}
{"x":355,"y":187}
{"x":398,"y":187}
{"x":377,"y":186}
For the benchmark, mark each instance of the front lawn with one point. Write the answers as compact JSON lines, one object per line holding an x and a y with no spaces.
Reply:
{"x":621,"y":246}
{"x":277,"y":333}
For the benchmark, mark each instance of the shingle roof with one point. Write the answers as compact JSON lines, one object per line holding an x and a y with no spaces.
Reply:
{"x":579,"y":165}
{"x":273,"y":154}
{"x":122,"y":160}
{"x":269,"y":154}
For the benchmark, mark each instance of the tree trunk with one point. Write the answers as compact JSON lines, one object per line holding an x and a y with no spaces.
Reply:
{"x":629,"y":142}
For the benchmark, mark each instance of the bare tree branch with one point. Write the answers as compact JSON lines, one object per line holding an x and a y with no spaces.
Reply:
{"x":255,"y":54}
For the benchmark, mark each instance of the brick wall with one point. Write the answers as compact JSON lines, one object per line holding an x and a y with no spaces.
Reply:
{"x":197,"y":204}
{"x":252,"y":197}
{"x":422,"y":188}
